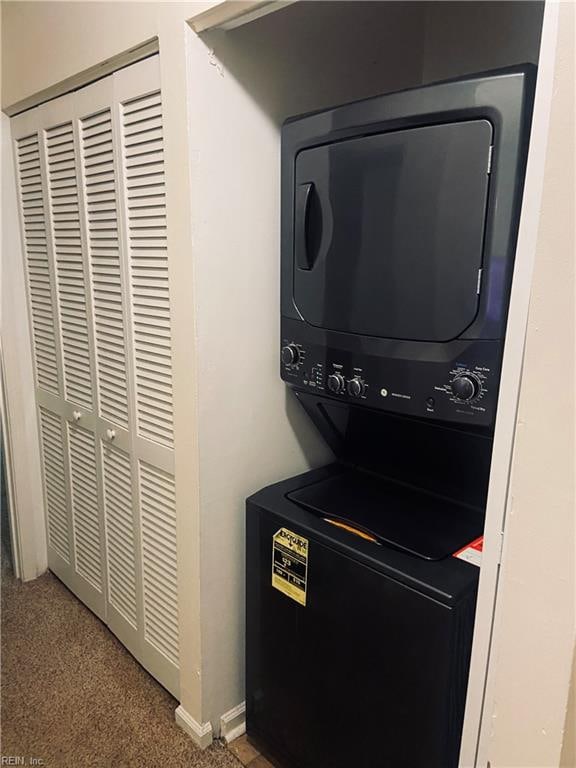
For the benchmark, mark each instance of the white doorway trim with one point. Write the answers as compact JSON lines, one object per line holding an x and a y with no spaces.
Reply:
{"x":19,"y":423}
{"x":8,"y":474}
{"x":476,"y":731}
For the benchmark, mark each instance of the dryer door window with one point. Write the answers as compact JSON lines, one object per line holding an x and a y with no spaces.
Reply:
{"x":389,"y":230}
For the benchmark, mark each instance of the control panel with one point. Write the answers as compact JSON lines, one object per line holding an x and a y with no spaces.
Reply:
{"x":463,"y":389}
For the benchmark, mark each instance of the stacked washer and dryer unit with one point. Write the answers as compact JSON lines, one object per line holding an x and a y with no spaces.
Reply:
{"x":399,"y":225}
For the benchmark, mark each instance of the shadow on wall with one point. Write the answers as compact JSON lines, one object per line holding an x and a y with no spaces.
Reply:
{"x":467,"y":37}
{"x":314,"y":55}
{"x":5,"y":541}
{"x":300,"y":423}
{"x":568,"y":758}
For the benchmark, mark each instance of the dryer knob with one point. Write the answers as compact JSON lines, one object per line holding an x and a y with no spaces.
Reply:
{"x":355,"y":387}
{"x":290,"y":354}
{"x":336,"y":383}
{"x":465,"y":387}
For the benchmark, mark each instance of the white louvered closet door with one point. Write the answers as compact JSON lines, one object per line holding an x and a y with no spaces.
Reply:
{"x":92,"y":194}
{"x":59,"y":300}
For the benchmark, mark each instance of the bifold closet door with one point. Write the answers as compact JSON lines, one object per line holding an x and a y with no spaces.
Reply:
{"x":92,"y":196}
{"x":59,"y":301}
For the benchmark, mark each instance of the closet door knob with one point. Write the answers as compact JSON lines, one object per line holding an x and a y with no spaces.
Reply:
{"x":110,"y":434}
{"x":77,"y":415}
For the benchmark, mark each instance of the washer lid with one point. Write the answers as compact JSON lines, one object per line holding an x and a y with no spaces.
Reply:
{"x":397,"y":515}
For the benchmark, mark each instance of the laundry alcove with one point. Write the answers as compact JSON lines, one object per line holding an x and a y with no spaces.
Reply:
{"x":305,"y":57}
{"x":226,"y":91}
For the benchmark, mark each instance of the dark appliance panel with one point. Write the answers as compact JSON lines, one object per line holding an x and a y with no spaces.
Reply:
{"x":441,"y":459}
{"x":455,"y":382}
{"x":399,"y":223}
{"x":415,"y":485}
{"x":389,"y":231}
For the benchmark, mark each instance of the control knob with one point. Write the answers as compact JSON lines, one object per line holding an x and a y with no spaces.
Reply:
{"x":355,"y":387}
{"x":290,"y":354}
{"x":336,"y":383}
{"x":465,"y":387}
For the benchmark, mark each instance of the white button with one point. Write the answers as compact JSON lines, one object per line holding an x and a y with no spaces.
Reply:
{"x":384,"y":392}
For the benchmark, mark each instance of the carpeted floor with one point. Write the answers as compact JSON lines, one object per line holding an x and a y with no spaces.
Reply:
{"x":73,"y":696}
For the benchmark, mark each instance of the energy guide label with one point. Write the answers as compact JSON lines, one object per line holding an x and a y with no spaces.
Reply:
{"x":290,"y":564}
{"x":472,"y":552}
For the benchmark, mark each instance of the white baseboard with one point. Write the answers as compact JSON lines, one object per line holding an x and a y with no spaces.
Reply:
{"x":200,"y":734}
{"x":233,"y":723}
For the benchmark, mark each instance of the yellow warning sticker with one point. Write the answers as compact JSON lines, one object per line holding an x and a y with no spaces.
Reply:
{"x":290,"y":564}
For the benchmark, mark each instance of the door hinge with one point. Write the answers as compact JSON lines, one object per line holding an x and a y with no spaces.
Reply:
{"x":490,"y":153}
{"x":501,"y":547}
{"x":479,"y":282}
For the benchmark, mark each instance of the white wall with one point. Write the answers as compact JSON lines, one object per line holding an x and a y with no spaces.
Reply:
{"x":46,"y":42}
{"x":536,"y":621}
